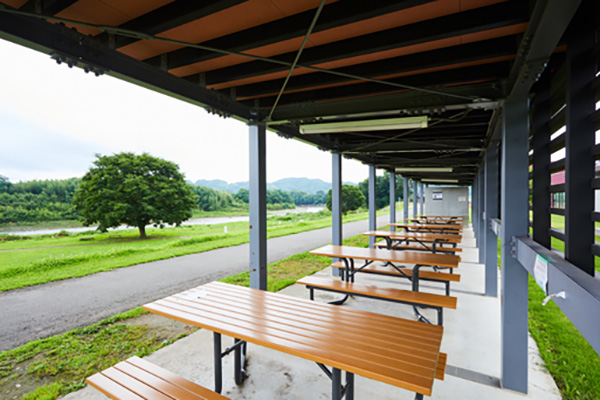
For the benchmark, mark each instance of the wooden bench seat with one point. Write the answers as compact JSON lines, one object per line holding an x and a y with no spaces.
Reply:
{"x":427,"y":300}
{"x":438,"y":249}
{"x":431,"y":276}
{"x":440,"y":370}
{"x":136,"y":378}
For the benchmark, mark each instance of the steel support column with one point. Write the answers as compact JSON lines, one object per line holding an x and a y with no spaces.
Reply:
{"x":491,"y":212}
{"x":405,"y":197}
{"x":336,"y":203}
{"x":474,"y":208}
{"x":392,"y":201}
{"x":515,"y":209}
{"x":580,"y":140}
{"x":372,"y":204}
{"x":258,"y":206}
{"x":422,"y":197}
{"x":541,"y":161}
{"x":482,"y":214}
{"x":415,"y":198}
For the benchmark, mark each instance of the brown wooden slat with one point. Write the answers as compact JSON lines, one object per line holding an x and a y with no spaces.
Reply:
{"x":327,"y":342}
{"x":317,"y":328}
{"x":396,"y":257}
{"x":110,"y":388}
{"x":138,"y":387}
{"x":338,"y":318}
{"x":438,"y":276}
{"x":409,"y":296}
{"x":366,"y":368}
{"x":440,"y":369}
{"x":304,"y":307}
{"x":413,"y":236}
{"x":175,"y":379}
{"x":450,"y":227}
{"x":383,"y":245}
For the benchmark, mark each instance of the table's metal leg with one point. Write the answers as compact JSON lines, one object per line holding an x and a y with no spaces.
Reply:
{"x":218,"y":362}
{"x":415,"y":278}
{"x":440,"y":316}
{"x":312,"y":293}
{"x":418,"y":396}
{"x":336,"y":384}
{"x":349,"y":386}
{"x":239,"y":357}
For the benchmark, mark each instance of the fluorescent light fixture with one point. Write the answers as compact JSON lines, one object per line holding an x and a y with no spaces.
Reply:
{"x":440,"y":180}
{"x":365,"y":125}
{"x":424,"y":169}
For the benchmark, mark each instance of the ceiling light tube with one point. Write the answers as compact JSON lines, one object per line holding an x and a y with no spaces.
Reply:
{"x":424,"y":169}
{"x":440,"y":180}
{"x":365,"y":125}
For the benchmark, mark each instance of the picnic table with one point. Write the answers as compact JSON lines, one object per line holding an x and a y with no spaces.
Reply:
{"x":431,"y":228}
{"x":422,"y":238}
{"x":395,"y":258}
{"x":435,"y":220}
{"x":344,"y":339}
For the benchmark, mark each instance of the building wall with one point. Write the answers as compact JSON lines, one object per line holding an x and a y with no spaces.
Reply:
{"x":452,"y":201}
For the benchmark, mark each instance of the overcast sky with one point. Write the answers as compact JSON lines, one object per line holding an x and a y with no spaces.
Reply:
{"x":53,"y":120}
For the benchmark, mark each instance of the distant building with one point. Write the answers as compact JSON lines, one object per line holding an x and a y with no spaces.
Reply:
{"x":558,"y":199}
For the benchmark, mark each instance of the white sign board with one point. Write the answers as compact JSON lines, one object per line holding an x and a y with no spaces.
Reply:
{"x":540,"y":272}
{"x":462,"y":199}
{"x":437,"y":196}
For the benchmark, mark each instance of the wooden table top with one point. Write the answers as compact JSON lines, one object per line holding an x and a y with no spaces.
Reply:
{"x":435,"y":221}
{"x":393,"y":350}
{"x":385,"y":255}
{"x":420,"y":236}
{"x":453,"y":227}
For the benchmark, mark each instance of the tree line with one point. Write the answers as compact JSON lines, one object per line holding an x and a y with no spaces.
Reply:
{"x":52,"y":200}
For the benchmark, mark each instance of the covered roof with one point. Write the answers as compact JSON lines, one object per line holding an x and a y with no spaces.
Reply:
{"x":291,"y":63}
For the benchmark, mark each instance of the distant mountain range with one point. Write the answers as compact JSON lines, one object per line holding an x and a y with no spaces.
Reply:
{"x":286,"y":184}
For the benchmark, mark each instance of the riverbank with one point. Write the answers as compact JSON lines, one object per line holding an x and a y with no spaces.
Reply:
{"x":201,"y":218}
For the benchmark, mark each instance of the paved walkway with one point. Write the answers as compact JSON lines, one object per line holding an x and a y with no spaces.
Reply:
{"x":45,"y":310}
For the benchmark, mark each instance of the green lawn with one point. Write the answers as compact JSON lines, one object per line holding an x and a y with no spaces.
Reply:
{"x":43,"y":258}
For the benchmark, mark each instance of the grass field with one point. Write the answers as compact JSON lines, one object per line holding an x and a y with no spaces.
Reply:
{"x":39,"y":259}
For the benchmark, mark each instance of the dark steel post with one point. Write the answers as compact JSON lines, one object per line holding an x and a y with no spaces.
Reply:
{"x":336,"y":384}
{"x":336,"y":203}
{"x":422,"y":197}
{"x":491,"y":212}
{"x":392,"y":201}
{"x":218,"y":363}
{"x":541,"y":161}
{"x":475,"y":208}
{"x":258,"y":206}
{"x":405,"y":198}
{"x":580,"y":140}
{"x":482,"y":214}
{"x":515,"y":208}
{"x":415,"y":199}
{"x":372,"y":204}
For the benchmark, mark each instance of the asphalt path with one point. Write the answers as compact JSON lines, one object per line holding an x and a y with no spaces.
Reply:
{"x":52,"y":308}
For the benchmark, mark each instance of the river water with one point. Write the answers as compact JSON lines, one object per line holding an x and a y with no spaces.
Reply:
{"x":196,"y":221}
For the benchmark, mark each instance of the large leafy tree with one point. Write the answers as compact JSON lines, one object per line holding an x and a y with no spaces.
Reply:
{"x":382,"y":190}
{"x":135,"y":190}
{"x":352,"y":198}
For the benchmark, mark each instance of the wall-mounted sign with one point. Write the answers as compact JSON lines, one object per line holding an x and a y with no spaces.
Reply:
{"x":437,"y":196}
{"x":462,"y":199}
{"x":540,"y":272}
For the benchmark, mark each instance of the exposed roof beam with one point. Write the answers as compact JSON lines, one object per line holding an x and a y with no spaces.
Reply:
{"x":549,"y":21}
{"x":84,"y":50}
{"x":171,"y":15}
{"x":482,"y":50}
{"x":412,"y":145}
{"x":493,"y":71}
{"x":46,"y":7}
{"x":495,"y":16}
{"x":332,"y":16}
{"x":389,"y":102}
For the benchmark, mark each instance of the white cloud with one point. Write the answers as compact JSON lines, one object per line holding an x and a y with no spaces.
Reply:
{"x":72,"y":115}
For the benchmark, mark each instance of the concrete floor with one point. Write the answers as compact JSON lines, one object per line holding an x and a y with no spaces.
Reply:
{"x":471,"y":340}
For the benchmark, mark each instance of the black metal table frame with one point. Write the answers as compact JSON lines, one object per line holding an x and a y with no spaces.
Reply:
{"x":338,"y":390}
{"x":347,"y":274}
